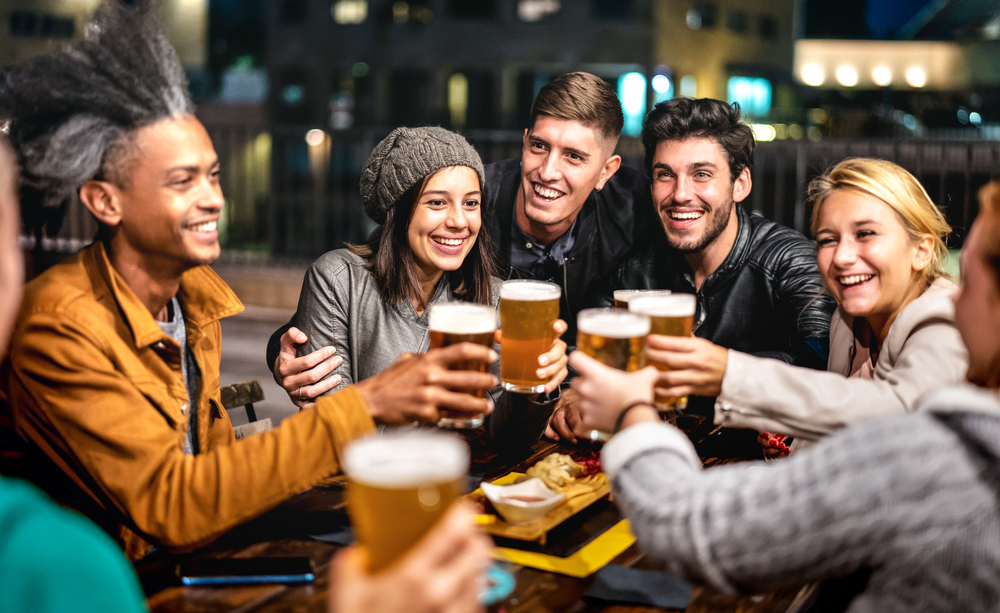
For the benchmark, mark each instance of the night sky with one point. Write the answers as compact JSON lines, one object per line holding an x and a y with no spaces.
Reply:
{"x":885,"y":17}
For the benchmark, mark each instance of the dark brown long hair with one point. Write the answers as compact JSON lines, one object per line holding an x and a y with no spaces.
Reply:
{"x":390,"y":259}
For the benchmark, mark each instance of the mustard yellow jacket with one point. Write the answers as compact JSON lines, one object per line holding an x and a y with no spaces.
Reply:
{"x":93,"y":387}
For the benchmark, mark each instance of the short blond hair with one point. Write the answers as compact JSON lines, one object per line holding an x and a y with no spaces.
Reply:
{"x":897,"y":188}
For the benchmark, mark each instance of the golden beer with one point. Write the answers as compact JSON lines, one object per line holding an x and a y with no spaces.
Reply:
{"x":614,"y":337}
{"x":623,"y":296}
{"x":399,"y":485}
{"x":527,"y":311}
{"x":462,"y":322}
{"x":670,"y":316}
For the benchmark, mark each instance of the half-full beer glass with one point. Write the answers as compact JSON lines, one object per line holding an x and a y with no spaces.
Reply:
{"x":615,"y":337}
{"x":671,"y":315}
{"x":527,"y":311}
{"x":399,"y":485}
{"x":623,"y":296}
{"x":462,"y":322}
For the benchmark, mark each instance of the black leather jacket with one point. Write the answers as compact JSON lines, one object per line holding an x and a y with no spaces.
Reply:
{"x":608,"y":225}
{"x":767,"y":298}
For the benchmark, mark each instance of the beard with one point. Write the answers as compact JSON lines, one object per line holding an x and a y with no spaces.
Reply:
{"x":717,"y":222}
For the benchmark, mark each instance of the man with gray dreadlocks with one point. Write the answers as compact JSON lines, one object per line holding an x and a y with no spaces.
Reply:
{"x":111,"y":386}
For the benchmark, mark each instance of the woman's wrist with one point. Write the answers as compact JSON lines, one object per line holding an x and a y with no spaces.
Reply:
{"x":634,"y":413}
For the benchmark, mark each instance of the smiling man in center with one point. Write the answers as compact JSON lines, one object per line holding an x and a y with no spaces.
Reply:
{"x":758,"y":286}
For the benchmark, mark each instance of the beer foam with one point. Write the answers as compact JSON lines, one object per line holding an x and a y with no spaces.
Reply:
{"x":403,"y":460}
{"x":529,"y":291}
{"x":627,"y":295}
{"x":612,"y":323}
{"x":462,"y":318}
{"x":674,"y":305}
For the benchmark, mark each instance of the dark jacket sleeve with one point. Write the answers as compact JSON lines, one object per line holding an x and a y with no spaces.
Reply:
{"x":808,"y":306}
{"x":274,"y":345}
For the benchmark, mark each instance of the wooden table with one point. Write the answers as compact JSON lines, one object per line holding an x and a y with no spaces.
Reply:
{"x":282,"y":531}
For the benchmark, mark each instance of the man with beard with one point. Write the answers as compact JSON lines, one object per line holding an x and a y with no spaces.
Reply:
{"x":758,"y":287}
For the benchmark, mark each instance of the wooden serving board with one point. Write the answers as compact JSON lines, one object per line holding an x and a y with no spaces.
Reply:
{"x":537,"y":531}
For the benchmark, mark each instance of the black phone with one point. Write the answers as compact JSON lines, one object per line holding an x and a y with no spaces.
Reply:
{"x":219,"y":571}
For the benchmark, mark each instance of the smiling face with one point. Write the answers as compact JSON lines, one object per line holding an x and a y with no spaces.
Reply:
{"x":693,"y":192}
{"x":170,"y":206}
{"x":562,"y":162}
{"x":867,"y":258}
{"x":977,"y":306}
{"x":445,"y":220}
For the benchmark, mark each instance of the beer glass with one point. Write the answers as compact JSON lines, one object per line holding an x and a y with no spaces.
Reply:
{"x":623,"y":296}
{"x":399,"y":485}
{"x":671,"y":315}
{"x":462,"y":322}
{"x":615,"y":337}
{"x":527,"y":311}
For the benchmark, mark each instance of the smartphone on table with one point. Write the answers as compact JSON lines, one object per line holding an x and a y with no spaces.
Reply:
{"x":221,"y":571}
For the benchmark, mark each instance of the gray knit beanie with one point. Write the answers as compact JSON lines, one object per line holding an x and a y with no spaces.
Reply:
{"x":404,"y":158}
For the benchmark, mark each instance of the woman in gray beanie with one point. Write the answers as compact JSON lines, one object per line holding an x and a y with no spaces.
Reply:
{"x":424,"y":187}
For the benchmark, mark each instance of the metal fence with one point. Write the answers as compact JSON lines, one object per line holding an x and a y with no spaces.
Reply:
{"x":287,"y":198}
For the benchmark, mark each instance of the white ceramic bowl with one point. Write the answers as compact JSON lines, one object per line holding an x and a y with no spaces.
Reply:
{"x":518,"y":511}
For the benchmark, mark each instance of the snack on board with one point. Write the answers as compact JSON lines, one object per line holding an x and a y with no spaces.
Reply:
{"x":557,"y":471}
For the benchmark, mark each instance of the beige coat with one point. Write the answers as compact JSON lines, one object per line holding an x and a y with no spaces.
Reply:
{"x":923,"y":352}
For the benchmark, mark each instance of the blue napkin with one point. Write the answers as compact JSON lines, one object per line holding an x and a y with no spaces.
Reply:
{"x":642,"y":587}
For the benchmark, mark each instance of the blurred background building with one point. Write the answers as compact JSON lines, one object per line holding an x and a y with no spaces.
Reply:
{"x":295,"y":93}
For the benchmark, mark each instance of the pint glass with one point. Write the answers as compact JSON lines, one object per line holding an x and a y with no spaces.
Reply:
{"x":462,"y":322}
{"x":399,"y":485}
{"x":527,"y":311}
{"x":615,"y":337}
{"x":623,"y":296}
{"x":671,"y":315}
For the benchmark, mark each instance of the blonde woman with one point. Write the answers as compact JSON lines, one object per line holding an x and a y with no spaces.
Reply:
{"x":880,"y":248}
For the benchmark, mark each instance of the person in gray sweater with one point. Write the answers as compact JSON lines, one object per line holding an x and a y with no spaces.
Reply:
{"x":910,"y":502}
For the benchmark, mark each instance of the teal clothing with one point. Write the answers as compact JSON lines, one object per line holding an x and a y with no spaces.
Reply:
{"x":55,"y":560}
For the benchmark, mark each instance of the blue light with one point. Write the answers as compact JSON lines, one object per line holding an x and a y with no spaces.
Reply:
{"x":292,"y":94}
{"x":632,"y":93}
{"x":663,"y":88}
{"x":752,"y":93}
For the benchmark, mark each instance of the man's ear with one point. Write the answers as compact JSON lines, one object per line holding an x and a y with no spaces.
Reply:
{"x":610,"y":168}
{"x":742,"y":185}
{"x":103,"y":200}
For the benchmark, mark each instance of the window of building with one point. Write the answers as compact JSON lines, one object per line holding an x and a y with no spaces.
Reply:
{"x":293,"y":11}
{"x":26,"y":23}
{"x":767,"y":27}
{"x":611,"y":9}
{"x":346,"y":12}
{"x":472,"y":9}
{"x":701,"y":16}
{"x":632,"y":93}
{"x":736,"y":21}
{"x":536,"y":10}
{"x":406,"y":12}
{"x":752,"y":93}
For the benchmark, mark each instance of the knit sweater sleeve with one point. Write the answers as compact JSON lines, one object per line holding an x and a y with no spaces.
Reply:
{"x":858,"y":500}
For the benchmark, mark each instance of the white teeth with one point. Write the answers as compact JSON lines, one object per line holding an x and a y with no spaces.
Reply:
{"x":451,"y":242}
{"x":551,"y":194}
{"x":854,"y":279}
{"x":682,"y":216}
{"x":208,"y":226}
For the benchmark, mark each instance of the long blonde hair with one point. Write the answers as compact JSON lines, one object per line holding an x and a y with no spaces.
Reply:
{"x":897,"y":188}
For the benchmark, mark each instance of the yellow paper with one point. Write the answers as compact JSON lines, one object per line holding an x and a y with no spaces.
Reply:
{"x":589,"y":559}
